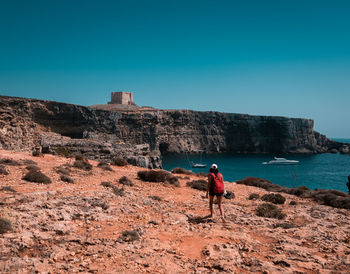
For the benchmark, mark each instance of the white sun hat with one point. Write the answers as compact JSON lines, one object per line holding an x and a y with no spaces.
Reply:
{"x":214,"y":166}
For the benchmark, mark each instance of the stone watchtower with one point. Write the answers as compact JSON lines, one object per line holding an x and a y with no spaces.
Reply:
{"x":122,"y":98}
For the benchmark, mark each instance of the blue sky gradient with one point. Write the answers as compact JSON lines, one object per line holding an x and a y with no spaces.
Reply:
{"x":285,"y":58}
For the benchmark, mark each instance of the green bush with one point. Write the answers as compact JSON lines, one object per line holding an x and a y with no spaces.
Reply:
{"x":198,"y":184}
{"x":37,"y":177}
{"x":269,"y":211}
{"x":273,"y":198}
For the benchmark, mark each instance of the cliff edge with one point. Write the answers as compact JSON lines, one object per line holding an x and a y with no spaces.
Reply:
{"x":141,"y":136}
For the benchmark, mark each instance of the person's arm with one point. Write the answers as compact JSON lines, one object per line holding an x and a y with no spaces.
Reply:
{"x":208,"y":186}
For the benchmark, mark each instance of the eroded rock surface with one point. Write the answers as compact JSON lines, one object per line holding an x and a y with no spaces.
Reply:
{"x":85,"y":227}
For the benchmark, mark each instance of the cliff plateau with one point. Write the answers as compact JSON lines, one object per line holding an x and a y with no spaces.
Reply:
{"x":141,"y":136}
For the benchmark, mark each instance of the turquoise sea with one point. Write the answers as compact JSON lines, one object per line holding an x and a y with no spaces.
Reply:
{"x":327,"y":171}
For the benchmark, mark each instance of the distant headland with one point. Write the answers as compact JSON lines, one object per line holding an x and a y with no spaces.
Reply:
{"x":141,"y":134}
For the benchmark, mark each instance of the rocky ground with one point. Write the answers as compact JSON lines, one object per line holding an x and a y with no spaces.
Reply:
{"x":157,"y":228}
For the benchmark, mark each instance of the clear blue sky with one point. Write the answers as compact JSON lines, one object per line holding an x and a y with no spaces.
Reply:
{"x":287,"y":58}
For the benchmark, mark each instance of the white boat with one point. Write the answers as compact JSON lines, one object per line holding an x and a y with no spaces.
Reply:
{"x":281,"y":161}
{"x":198,"y":165}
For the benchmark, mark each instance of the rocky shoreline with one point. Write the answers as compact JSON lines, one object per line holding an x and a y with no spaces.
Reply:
{"x":147,"y":227}
{"x":141,"y":136}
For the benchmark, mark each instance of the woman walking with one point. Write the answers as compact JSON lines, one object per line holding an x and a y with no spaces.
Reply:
{"x":215,"y":188}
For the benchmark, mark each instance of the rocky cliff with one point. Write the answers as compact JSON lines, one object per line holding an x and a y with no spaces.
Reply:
{"x":140,"y":136}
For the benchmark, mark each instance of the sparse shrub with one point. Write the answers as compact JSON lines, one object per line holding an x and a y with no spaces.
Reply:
{"x":292,"y":202}
{"x":156,"y":198}
{"x":62,"y":151}
{"x":129,"y":236}
{"x":37,"y":153}
{"x":253,"y":196}
{"x":273,"y":198}
{"x":67,"y":178}
{"x":125,"y":181}
{"x":79,"y":157}
{"x":82,"y":164}
{"x":99,"y":203}
{"x":106,"y":184}
{"x":198,"y":184}
{"x":331,"y":199}
{"x":32,"y":168}
{"x":179,"y":170}
{"x":5,"y":225}
{"x":229,"y":195}
{"x":338,"y":193}
{"x":300,"y":191}
{"x":8,"y":188}
{"x":119,"y":162}
{"x":262,"y":183}
{"x":158,"y":176}
{"x":202,"y":174}
{"x":284,"y":225}
{"x":9,"y":162}
{"x":117,"y":191}
{"x":3,"y":170}
{"x":63,"y":170}
{"x":269,"y":211}
{"x":29,"y":162}
{"x":105,"y":166}
{"x":37,"y":177}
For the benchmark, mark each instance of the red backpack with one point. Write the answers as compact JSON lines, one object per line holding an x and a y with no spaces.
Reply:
{"x":218,"y":184}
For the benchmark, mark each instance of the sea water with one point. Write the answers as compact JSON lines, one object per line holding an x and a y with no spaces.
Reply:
{"x":327,"y":171}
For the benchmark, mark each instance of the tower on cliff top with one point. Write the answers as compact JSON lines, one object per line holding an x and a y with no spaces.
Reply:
{"x":122,"y":98}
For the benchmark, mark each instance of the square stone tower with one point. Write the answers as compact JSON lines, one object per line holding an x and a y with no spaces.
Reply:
{"x":122,"y":98}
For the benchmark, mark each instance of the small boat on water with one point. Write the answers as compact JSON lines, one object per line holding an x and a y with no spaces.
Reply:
{"x":281,"y":161}
{"x":200,"y":164}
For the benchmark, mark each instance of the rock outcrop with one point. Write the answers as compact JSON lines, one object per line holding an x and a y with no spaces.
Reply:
{"x":141,"y":135}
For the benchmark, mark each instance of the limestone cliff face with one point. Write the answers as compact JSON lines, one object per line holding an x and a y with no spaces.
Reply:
{"x":28,"y":123}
